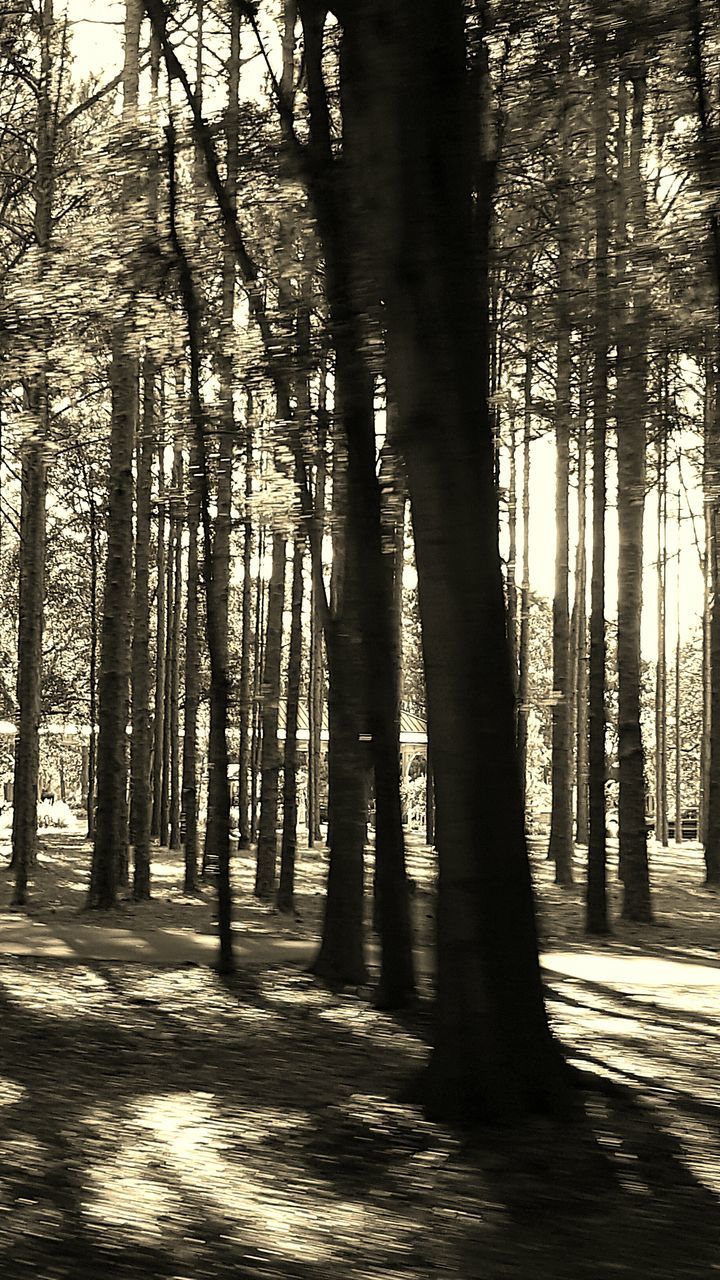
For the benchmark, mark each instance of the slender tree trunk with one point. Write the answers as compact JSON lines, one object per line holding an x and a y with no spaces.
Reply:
{"x":140,"y":741}
{"x":158,"y":762}
{"x":109,"y":861}
{"x":188,"y":786}
{"x":511,"y":577}
{"x":92,"y":662}
{"x":172,"y":550}
{"x":245,"y":703}
{"x":174,"y":838}
{"x":579,"y":627}
{"x":33,"y":498}
{"x":561,"y":843}
{"x":661,"y":664}
{"x":523,"y":709}
{"x":631,"y":416}
{"x":286,"y":888}
{"x":270,"y":760}
{"x":216,"y":624}
{"x":316,"y":698}
{"x":258,"y":662}
{"x":678,"y":704}
{"x":596,"y":918}
{"x":223,"y":518}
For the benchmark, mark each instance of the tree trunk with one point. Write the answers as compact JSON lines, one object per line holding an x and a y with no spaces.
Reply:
{"x":678,"y":734}
{"x":286,"y":887}
{"x":661,"y":664}
{"x":258,"y":662}
{"x":33,"y":497}
{"x":176,"y":516}
{"x":109,"y":861}
{"x":493,"y":1051}
{"x":140,"y":741}
{"x":92,"y":662}
{"x":316,"y":685}
{"x":596,"y":917}
{"x":523,"y":709}
{"x":158,"y":761}
{"x":245,"y":701}
{"x":561,"y":842}
{"x":711,"y":476}
{"x":270,"y":760}
{"x":631,"y":414}
{"x":579,"y":625}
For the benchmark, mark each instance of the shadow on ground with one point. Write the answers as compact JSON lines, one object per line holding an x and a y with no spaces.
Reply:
{"x":164,"y":1124}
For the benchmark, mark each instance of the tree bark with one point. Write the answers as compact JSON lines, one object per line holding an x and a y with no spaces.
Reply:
{"x":33,"y":498}
{"x":631,"y":414}
{"x":270,"y":759}
{"x":561,"y":841}
{"x":493,"y":1051}
{"x":286,"y":887}
{"x":245,"y":701}
{"x":596,"y":917}
{"x":661,"y":664}
{"x":140,"y":656}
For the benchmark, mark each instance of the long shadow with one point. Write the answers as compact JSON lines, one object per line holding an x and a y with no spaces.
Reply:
{"x":504,"y":1197}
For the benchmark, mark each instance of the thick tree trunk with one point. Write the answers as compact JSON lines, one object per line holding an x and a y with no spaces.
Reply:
{"x":493,"y":1051}
{"x":286,"y":887}
{"x":270,"y":759}
{"x":631,"y":414}
{"x":596,"y":918}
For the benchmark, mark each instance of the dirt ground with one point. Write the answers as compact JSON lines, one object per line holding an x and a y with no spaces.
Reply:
{"x":156,"y":1121}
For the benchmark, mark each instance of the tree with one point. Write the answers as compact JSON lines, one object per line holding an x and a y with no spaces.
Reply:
{"x":493,"y":1051}
{"x":110,"y":847}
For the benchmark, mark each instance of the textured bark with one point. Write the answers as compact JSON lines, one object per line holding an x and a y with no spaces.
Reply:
{"x":561,"y":841}
{"x":711,"y":475}
{"x":511,"y":573}
{"x":93,"y":657}
{"x":631,"y":415}
{"x":339,"y":200}
{"x":523,"y":708}
{"x":30,"y":631}
{"x":156,"y":818}
{"x":167,"y":719}
{"x":596,"y":918}
{"x":678,"y":701}
{"x":270,"y":757}
{"x":258,"y":659}
{"x":222,"y":523}
{"x":173,"y":713}
{"x":493,"y":1051}
{"x":286,"y":887}
{"x":33,"y":497}
{"x":110,"y":847}
{"x":579,"y":627}
{"x":245,"y":704}
{"x":216,"y":630}
{"x":110,"y":854}
{"x":140,"y":741}
{"x":660,"y":666}
{"x":316,"y":684}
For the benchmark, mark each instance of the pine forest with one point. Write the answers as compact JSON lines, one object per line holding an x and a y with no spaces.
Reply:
{"x":359,"y":639}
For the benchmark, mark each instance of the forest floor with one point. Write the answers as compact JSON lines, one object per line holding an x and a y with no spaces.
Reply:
{"x":157,"y":1121}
